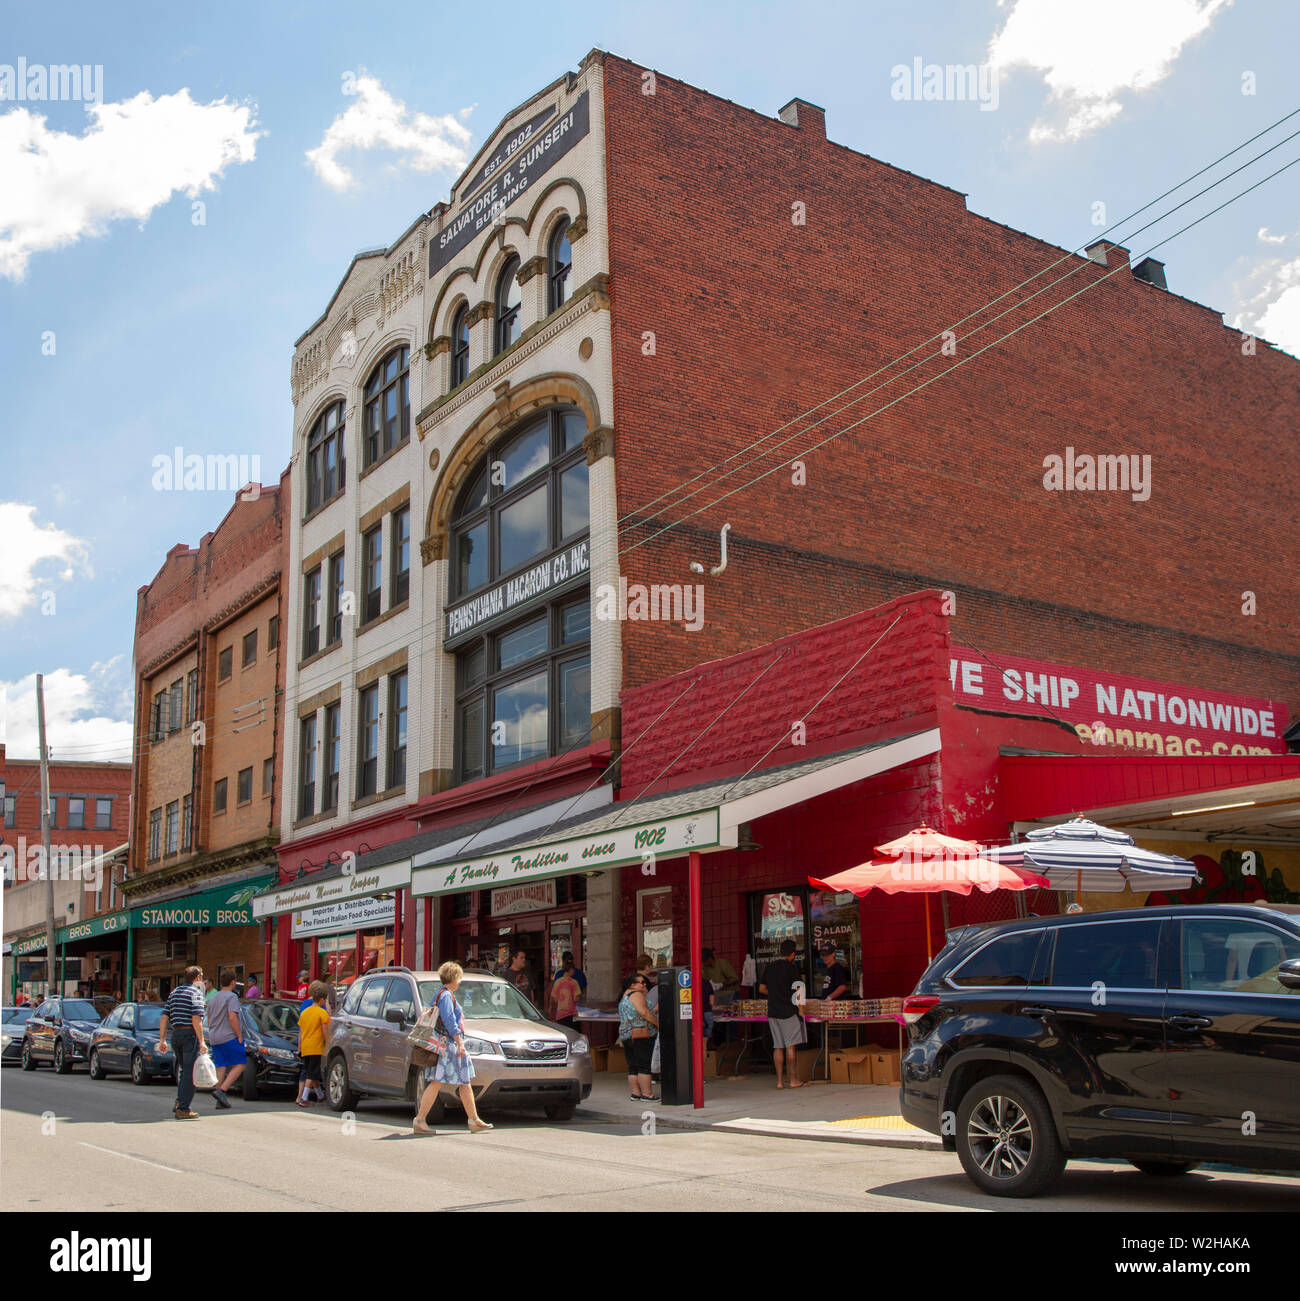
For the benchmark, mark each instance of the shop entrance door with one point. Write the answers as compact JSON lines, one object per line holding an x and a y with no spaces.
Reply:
{"x":530,"y":935}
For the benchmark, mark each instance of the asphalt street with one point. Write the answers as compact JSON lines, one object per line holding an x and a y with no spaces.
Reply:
{"x":68,"y":1143}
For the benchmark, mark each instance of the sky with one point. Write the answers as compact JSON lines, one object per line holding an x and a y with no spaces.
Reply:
{"x":165,"y":238}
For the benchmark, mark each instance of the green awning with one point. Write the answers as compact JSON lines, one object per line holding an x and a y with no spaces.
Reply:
{"x":230,"y":905}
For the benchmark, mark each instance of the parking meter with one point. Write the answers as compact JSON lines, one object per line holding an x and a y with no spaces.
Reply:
{"x":676,"y":1081}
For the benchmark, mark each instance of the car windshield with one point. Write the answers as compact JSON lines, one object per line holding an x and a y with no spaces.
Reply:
{"x":80,"y":1009}
{"x":274,"y":1018}
{"x":17,"y":1015}
{"x":494,"y":1000}
{"x":148,"y":1018}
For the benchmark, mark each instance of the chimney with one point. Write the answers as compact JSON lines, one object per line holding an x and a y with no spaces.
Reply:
{"x":1107,"y":253}
{"x":807,"y":117}
{"x":1151,"y":271}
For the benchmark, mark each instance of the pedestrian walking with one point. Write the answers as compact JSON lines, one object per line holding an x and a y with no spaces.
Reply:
{"x":454,"y":1065}
{"x":226,"y":1035}
{"x":183,"y":1016}
{"x":636,"y":1024}
{"x":313,"y":1021}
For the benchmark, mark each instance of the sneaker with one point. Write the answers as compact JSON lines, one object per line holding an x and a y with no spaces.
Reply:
{"x":220,"y":1098}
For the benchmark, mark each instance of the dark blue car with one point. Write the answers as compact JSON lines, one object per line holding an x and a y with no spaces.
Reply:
{"x":126,"y":1043}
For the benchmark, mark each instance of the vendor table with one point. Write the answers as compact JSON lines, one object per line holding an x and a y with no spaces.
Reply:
{"x":823,"y":1050}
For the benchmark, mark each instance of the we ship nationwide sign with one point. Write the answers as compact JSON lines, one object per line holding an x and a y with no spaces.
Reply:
{"x":1114,"y":709}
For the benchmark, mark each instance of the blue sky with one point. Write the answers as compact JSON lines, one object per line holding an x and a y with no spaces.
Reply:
{"x":128,"y":328}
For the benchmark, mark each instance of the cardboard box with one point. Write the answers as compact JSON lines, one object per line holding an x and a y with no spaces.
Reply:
{"x":851,"y":1066}
{"x":616,"y":1059}
{"x":884,"y":1067}
{"x":804,"y":1062}
{"x":600,"y":1059}
{"x":710,"y":1064}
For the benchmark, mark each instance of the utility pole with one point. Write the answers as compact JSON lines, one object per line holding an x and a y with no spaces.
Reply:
{"x":45,"y":836}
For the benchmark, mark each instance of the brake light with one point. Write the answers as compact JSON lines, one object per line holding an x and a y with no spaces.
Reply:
{"x":915,"y":1006}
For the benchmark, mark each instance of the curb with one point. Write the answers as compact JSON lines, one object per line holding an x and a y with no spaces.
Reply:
{"x":776,"y":1129}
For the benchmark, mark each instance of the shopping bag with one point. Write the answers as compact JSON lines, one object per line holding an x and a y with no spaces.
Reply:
{"x":205,"y":1073}
{"x":423,"y":1038}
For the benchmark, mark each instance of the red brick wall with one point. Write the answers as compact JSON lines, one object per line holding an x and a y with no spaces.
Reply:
{"x":756,"y":319}
{"x":897,"y":688}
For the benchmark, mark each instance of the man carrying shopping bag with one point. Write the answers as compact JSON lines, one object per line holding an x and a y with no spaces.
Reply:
{"x":184,"y":1014}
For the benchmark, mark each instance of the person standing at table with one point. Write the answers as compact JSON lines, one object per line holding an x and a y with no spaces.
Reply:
{"x":722,"y":975}
{"x":835,"y":975}
{"x":783,"y":1019}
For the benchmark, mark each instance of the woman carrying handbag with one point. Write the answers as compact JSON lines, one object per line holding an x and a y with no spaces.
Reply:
{"x":454,"y":1065}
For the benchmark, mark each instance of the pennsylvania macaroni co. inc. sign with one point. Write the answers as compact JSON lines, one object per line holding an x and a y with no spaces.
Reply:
{"x":334,"y":889}
{"x":636,"y":843}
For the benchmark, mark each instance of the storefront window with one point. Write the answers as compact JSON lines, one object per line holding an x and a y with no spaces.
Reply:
{"x":654,"y":909}
{"x":835,"y":919}
{"x":775,"y":917}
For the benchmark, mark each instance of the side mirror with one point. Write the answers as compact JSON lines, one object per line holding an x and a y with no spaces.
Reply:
{"x":1288,"y":974}
{"x":396,"y":1015}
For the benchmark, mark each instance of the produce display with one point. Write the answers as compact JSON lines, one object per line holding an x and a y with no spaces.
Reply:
{"x":846,"y":1009}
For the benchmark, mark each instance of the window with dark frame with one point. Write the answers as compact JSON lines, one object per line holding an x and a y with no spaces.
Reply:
{"x":175,"y":703}
{"x":368,"y":741}
{"x":187,"y":822}
{"x":244,"y":785}
{"x":509,"y":301}
{"x":397,"y":730}
{"x":335,"y":599}
{"x":103,"y":815}
{"x":333,"y":756}
{"x":325,"y":462}
{"x":273,"y":632}
{"x":311,"y":613}
{"x":76,"y":813}
{"x":250,"y":649}
{"x":307,"y":766}
{"x":386,"y":406}
{"x":559,"y":265}
{"x":372,"y":550}
{"x":158,"y":717}
{"x":54,"y":810}
{"x":219,"y":795}
{"x":268,"y":776}
{"x":173,"y":826}
{"x":460,"y":346}
{"x":11,"y":811}
{"x":155,"y":834}
{"x":191,"y":695}
{"x":401,"y":577}
{"x":225,"y":664}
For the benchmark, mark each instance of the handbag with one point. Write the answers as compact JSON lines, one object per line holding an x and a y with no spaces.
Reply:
{"x":423,"y":1038}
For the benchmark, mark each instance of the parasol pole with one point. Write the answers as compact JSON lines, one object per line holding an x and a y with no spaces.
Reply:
{"x":929,"y":948}
{"x":1078,"y":887}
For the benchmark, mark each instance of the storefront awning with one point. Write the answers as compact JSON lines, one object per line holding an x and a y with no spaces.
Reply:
{"x":703,"y":818}
{"x":1254,"y":799}
{"x":226,"y":905}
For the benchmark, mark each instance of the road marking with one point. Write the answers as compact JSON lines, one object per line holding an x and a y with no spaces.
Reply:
{"x":126,"y":1156}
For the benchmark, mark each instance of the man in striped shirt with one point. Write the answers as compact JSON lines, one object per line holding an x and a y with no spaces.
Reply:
{"x":184,"y":1014}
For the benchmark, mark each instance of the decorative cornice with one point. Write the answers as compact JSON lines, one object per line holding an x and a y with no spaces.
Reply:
{"x":535,"y":266}
{"x":198,"y":868}
{"x":577,"y":228}
{"x":438,"y":346}
{"x":599,"y":444}
{"x":479,"y":312}
{"x":433,"y":548}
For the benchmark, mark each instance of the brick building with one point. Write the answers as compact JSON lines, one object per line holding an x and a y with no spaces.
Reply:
{"x":90,"y":817}
{"x":208,"y":738}
{"x":632,"y":282}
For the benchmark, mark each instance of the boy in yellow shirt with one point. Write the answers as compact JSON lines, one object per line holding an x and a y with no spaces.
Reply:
{"x":312,"y":1026}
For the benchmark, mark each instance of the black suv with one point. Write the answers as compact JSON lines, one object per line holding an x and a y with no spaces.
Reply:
{"x":1161,"y":1036}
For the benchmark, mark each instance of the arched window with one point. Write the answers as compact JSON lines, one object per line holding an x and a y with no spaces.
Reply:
{"x":386,"y":412}
{"x":325,"y":464}
{"x":523,"y":687}
{"x":460,"y":346}
{"x":559,"y":263}
{"x":509,"y":301}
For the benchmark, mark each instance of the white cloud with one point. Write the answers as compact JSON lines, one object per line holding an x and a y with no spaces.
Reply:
{"x":1089,"y":51}
{"x":87,"y":717}
{"x":30,"y":547}
{"x":56,"y":187}
{"x":375,"y":120}
{"x":1267,"y":297}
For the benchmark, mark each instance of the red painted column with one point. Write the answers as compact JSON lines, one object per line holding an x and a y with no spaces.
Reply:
{"x":399,"y":909}
{"x":289,"y":964}
{"x":697,"y":976}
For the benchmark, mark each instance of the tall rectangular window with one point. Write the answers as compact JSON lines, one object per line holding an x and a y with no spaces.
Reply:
{"x":173,"y":826}
{"x":368,"y":742}
{"x":333,"y":755}
{"x":155,"y":834}
{"x":397,"y":730}
{"x":401,"y":586}
{"x":187,"y":822}
{"x":373,"y":576}
{"x":307,"y":766}
{"x":273,"y":632}
{"x":175,"y":705}
{"x":158,"y":719}
{"x":11,"y":810}
{"x":244,"y":785}
{"x":191,"y":695}
{"x":250,"y":649}
{"x":336,"y":598}
{"x":311,"y":613}
{"x":103,"y":815}
{"x":76,"y":812}
{"x":268,"y":776}
{"x":54,"y":811}
{"x":225,"y":664}
{"x":219,"y":796}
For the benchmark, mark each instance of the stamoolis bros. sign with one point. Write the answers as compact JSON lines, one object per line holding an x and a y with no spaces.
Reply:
{"x":1114,"y":709}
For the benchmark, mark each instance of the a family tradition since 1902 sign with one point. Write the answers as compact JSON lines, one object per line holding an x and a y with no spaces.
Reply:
{"x":527,"y":153}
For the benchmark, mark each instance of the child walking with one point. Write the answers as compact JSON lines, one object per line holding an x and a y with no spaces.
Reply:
{"x":312,"y":1024}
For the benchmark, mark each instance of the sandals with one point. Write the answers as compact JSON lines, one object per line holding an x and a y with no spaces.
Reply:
{"x":420,"y":1127}
{"x":477,"y":1127}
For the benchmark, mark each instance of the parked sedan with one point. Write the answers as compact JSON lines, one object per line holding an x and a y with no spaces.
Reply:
{"x":126,"y":1043}
{"x":15,"y":1023}
{"x":271,"y":1042}
{"x":60,"y":1030}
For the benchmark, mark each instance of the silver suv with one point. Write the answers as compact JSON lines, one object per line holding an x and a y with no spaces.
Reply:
{"x":520,"y":1058}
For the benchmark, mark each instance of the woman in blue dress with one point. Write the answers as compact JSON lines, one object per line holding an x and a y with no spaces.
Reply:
{"x":454,"y":1066}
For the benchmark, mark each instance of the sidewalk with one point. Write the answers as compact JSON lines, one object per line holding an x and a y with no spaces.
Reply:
{"x":835,"y":1113}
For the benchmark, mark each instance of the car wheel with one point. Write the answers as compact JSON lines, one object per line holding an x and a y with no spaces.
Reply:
{"x":1006,"y":1138}
{"x":138,"y":1073}
{"x":338,"y":1089}
{"x":61,"y":1063}
{"x":1157,"y":1167}
{"x":561,"y":1110}
{"x":96,"y":1070}
{"x":249,"y":1078}
{"x":29,"y":1062}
